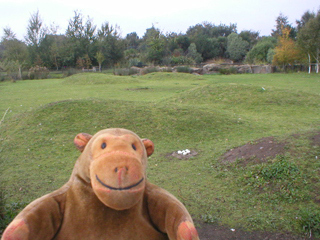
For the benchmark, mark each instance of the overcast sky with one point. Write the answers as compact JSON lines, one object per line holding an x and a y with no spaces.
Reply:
{"x":167,"y":15}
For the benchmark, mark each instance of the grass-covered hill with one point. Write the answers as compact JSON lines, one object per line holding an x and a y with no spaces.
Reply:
{"x":210,"y":115}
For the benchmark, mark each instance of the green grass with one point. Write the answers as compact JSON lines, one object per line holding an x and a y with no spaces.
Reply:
{"x":209,"y":114}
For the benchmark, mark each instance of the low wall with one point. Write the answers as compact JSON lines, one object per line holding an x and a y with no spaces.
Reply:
{"x":212,"y":68}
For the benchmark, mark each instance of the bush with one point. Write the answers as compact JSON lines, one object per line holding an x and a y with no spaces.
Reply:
{"x":228,"y":71}
{"x":181,"y":60}
{"x":38,"y":72}
{"x":150,"y":70}
{"x":125,"y":71}
{"x":69,"y":72}
{"x":184,"y":69}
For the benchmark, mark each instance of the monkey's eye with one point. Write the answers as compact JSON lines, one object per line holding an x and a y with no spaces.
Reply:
{"x":103,"y":145}
{"x":134,"y":147}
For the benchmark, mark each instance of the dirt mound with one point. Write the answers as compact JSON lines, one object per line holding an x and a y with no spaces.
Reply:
{"x":258,"y":151}
{"x":175,"y":154}
{"x":212,"y":231}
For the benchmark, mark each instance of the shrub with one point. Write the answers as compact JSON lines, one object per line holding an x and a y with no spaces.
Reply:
{"x":150,"y":70}
{"x":181,"y":60}
{"x":125,"y":71}
{"x":69,"y":72}
{"x":184,"y":69}
{"x":228,"y":71}
{"x":38,"y":72}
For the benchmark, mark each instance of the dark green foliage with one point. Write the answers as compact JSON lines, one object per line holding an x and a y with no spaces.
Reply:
{"x":309,"y":221}
{"x":281,"y":178}
{"x":281,"y":169}
{"x":259,"y":53}
{"x":184,"y":69}
{"x":227,"y":71}
{"x":126,"y":71}
{"x":237,"y":48}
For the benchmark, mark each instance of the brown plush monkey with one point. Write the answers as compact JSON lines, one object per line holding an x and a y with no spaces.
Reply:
{"x":107,"y":197}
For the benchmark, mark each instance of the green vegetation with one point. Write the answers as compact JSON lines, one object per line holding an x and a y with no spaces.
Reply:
{"x":84,"y":47}
{"x":208,"y":114}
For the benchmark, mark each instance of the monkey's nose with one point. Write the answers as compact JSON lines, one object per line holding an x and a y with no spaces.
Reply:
{"x":117,"y":169}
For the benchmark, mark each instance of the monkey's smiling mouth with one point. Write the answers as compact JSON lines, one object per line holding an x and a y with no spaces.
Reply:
{"x":119,"y":189}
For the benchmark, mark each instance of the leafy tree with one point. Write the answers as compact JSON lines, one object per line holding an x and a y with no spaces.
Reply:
{"x":132,"y":40}
{"x":155,"y":45}
{"x":210,"y":40}
{"x":286,"y":51}
{"x":193,"y":54}
{"x":10,"y":67}
{"x":250,"y":36}
{"x":236,"y":48}
{"x":15,"y":52}
{"x":183,"y":42}
{"x":304,"y":19}
{"x":259,"y":53}
{"x":100,"y":58}
{"x":309,"y":40}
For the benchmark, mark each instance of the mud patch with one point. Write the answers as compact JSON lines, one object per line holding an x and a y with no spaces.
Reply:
{"x":316,"y":139}
{"x":213,"y":231}
{"x":258,"y":151}
{"x":175,"y":154}
{"x":138,"y":89}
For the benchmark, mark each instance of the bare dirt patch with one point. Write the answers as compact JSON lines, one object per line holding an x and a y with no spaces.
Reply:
{"x":175,"y":154}
{"x":257,"y":151}
{"x":316,"y":139}
{"x":212,"y":231}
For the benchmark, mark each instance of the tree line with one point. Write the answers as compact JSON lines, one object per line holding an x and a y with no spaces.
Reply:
{"x":85,"y":45}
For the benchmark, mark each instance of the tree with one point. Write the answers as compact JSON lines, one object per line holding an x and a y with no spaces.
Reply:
{"x":250,"y":36}
{"x":236,"y":48}
{"x":15,"y":52}
{"x":132,"y":40}
{"x":35,"y":34}
{"x":192,"y":53}
{"x":155,"y":45}
{"x":8,"y":34}
{"x":283,"y":23}
{"x":309,"y":40}
{"x":100,"y":58}
{"x":304,"y":19}
{"x":110,"y":44}
{"x":210,"y":40}
{"x":286,"y":51}
{"x":81,"y":37}
{"x":259,"y":53}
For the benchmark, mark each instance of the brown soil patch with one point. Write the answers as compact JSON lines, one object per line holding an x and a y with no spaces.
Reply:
{"x":180,"y":156}
{"x":212,"y":231}
{"x":316,"y":139}
{"x":258,"y":151}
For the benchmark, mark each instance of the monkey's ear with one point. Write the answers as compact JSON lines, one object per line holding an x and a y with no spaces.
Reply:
{"x":148,"y":144}
{"x":81,"y":140}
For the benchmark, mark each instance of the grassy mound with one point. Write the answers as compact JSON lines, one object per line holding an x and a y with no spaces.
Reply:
{"x":176,"y":111}
{"x":156,"y":76}
{"x":97,"y":78}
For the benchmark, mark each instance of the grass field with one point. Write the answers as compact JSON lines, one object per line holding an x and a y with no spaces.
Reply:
{"x":208,"y":114}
